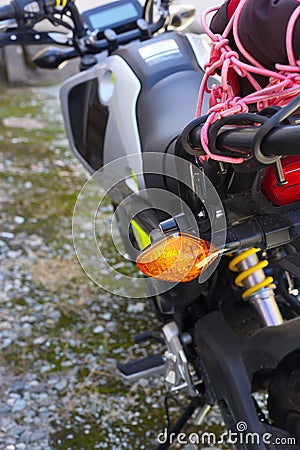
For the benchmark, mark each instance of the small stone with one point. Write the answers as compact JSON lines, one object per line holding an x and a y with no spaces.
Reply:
{"x":99,"y":329}
{"x":43,"y":416}
{"x":111,"y":326}
{"x":19,"y":405}
{"x":66,"y":363}
{"x":17,"y":386}
{"x":13,"y":254}
{"x":38,"y":435}
{"x":73,"y":342}
{"x":5,"y":326}
{"x":106,"y":316}
{"x":22,"y":122}
{"x":6,"y":343}
{"x":4,"y":409}
{"x":36,"y":387}
{"x":21,"y":446}
{"x":43,"y":397}
{"x":61,"y":385}
{"x":27,"y":318}
{"x":15,"y":395}
{"x":10,"y":402}
{"x":3,"y":246}
{"x":19,"y":220}
{"x":136,"y":308}
{"x":79,"y":419}
{"x":10,"y":447}
{"x":7,"y":235}
{"x":26,"y":436}
{"x":35,"y":241}
{"x":39,"y":340}
{"x":15,"y":431}
{"x":7,"y":424}
{"x":53,"y":379}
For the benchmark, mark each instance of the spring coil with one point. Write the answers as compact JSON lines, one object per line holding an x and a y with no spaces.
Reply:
{"x":240,"y":279}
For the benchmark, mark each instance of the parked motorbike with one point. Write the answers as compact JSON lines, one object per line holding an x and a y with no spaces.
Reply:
{"x":129,"y":117}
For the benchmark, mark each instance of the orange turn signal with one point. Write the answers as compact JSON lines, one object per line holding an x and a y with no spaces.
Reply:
{"x":177,"y":257}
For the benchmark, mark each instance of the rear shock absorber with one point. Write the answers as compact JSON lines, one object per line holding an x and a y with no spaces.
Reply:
{"x":259,"y":289}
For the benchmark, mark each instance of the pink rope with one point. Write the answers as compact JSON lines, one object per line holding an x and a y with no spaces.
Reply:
{"x":289,"y":36}
{"x":284,"y":81}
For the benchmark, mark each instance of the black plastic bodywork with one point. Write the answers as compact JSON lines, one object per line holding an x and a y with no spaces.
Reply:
{"x":229,"y":363}
{"x":169,"y":89}
{"x":88,"y":119}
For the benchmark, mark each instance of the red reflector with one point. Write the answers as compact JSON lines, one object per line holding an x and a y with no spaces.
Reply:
{"x":289,"y":193}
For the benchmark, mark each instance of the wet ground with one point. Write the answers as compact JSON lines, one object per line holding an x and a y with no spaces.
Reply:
{"x":61,"y":336}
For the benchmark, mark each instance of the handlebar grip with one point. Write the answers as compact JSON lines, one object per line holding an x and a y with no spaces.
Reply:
{"x":7,"y":12}
{"x":274,"y":138}
{"x":281,"y":141}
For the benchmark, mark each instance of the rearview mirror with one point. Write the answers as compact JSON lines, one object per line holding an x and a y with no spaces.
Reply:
{"x":181,"y":17}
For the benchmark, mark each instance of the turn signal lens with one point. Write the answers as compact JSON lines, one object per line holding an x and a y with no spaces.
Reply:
{"x":177,"y":257}
{"x":289,"y":193}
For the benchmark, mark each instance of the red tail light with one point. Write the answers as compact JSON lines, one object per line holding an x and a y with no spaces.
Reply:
{"x":289,"y":193}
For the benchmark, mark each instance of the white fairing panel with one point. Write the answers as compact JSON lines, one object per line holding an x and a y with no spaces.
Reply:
{"x":122,"y":136}
{"x":200,"y":6}
{"x":201,"y":46}
{"x":118,"y":90}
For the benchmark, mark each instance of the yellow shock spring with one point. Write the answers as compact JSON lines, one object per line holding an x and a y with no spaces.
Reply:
{"x":62,"y":3}
{"x":239,"y":281}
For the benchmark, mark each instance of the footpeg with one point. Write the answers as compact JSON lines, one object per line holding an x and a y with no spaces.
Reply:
{"x":153,"y":365}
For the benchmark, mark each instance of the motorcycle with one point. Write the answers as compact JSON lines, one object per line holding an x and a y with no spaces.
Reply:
{"x":188,"y":224}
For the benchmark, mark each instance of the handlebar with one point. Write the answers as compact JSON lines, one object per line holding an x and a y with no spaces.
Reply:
{"x":240,"y":134}
{"x":7,"y":12}
{"x":281,"y":141}
{"x":28,"y":12}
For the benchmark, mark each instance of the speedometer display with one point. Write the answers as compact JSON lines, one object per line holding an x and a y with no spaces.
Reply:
{"x":113,"y":15}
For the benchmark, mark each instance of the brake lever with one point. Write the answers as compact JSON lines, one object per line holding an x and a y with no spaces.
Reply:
{"x":52,"y":58}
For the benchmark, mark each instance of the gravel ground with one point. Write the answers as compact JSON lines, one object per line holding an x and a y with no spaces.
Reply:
{"x":60,"y":335}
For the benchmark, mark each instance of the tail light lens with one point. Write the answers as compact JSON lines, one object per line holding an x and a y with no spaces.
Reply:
{"x":289,"y":193}
{"x":177,"y":257}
